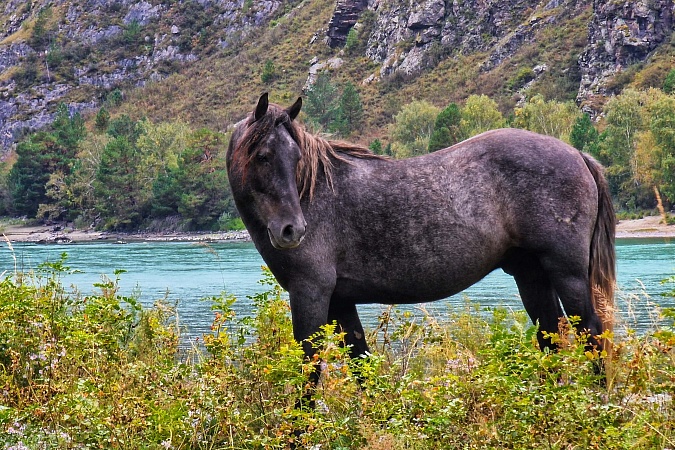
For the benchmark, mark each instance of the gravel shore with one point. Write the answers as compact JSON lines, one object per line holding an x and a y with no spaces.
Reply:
{"x":648,"y":227}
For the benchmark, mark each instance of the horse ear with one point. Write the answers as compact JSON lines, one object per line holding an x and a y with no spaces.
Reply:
{"x":294,"y":109}
{"x":261,"y":107}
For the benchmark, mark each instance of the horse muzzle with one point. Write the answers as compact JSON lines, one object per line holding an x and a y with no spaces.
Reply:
{"x":286,"y":236}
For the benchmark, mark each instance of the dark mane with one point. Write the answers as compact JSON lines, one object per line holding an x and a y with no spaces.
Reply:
{"x":318,"y":154}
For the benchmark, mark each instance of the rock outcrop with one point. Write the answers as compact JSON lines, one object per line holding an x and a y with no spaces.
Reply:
{"x":621,"y":34}
{"x":107,"y":45}
{"x":346,"y":15}
{"x":409,"y":36}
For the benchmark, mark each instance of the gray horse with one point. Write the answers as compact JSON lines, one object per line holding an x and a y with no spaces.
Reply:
{"x":339,"y":226}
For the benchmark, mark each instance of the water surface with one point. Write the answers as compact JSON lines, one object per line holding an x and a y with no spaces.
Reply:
{"x":185,"y":273}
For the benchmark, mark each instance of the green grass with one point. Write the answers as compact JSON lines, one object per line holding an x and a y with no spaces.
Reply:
{"x":101,"y":372}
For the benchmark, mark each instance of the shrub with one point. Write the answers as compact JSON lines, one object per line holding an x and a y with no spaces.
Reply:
{"x":669,"y":82}
{"x":100,"y":371}
{"x":268,"y":72}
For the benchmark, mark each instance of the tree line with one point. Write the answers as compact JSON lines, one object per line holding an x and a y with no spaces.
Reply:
{"x":634,"y":138}
{"x":126,"y":174}
{"x":121,"y":176}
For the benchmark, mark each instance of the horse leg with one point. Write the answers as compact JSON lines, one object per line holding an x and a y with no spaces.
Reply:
{"x":309,"y":312}
{"x":347,"y":318}
{"x":571,"y":282}
{"x":538,"y":296}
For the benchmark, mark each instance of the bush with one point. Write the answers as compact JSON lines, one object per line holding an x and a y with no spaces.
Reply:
{"x":268,"y":72}
{"x":101,"y":372}
{"x":669,"y":82}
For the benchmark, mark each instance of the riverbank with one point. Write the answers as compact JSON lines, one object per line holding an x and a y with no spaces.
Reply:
{"x":648,"y":227}
{"x":56,"y":234}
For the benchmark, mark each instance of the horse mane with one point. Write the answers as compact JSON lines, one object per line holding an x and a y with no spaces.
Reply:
{"x":318,"y":155}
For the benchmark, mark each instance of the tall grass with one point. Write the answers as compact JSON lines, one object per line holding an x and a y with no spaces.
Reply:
{"x":100,"y":371}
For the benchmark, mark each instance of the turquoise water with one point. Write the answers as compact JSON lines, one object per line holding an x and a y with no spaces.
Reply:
{"x":185,"y":273}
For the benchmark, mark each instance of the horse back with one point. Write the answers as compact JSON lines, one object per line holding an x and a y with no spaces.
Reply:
{"x":441,"y":222}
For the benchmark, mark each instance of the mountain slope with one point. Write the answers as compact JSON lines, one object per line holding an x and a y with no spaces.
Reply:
{"x":202,"y":61}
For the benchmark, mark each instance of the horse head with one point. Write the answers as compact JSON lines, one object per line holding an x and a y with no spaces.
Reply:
{"x":262,"y":163}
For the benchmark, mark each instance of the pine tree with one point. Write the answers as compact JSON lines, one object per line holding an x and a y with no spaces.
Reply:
{"x":584,"y":136}
{"x":446,"y":128}
{"x":322,"y":102}
{"x":350,"y":111}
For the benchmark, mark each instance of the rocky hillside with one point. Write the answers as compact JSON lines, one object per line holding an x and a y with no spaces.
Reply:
{"x":201,"y":60}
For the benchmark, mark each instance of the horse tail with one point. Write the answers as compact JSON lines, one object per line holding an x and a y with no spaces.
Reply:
{"x":602,"y":265}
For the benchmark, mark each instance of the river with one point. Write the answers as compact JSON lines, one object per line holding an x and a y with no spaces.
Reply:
{"x":187,"y":272}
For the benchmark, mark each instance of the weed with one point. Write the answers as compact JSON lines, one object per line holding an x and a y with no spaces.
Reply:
{"x":101,"y":371}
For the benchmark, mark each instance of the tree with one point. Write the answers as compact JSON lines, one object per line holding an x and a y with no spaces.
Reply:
{"x":413,"y":127}
{"x":376,"y":147}
{"x":625,"y":118}
{"x":662,"y":128}
{"x":268,"y":71}
{"x":41,"y":155}
{"x":352,"y":41}
{"x":446,"y":128}
{"x":547,"y":117}
{"x":116,"y":186}
{"x":322,"y":102}
{"x":350,"y":110}
{"x":197,"y":188}
{"x":583,"y":136}
{"x":669,"y":82}
{"x":29,"y":175}
{"x":479,"y":114}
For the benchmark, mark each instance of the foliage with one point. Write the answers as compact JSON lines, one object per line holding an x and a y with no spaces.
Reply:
{"x":268,"y":71}
{"x":197,"y":188}
{"x":350,"y":111}
{"x":321,"y":106}
{"x":332,"y":108}
{"x":100,"y":371}
{"x":637,"y":147}
{"x":135,"y":172}
{"x":413,"y":127}
{"x":446,"y":128}
{"x":41,"y":155}
{"x":547,"y":117}
{"x":352,"y":41}
{"x":584,"y":136}
{"x":479,"y":114}
{"x":669,"y":82}
{"x":522,"y":77}
{"x":44,"y":29}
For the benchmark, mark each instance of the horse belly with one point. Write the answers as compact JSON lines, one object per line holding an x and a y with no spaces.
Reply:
{"x":408,"y":284}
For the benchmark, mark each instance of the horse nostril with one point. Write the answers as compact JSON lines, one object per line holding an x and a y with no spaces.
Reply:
{"x":288,"y":232}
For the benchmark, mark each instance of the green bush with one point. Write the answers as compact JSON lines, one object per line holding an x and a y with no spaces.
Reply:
{"x":669,"y":82}
{"x":268,"y":72}
{"x":99,"y":371}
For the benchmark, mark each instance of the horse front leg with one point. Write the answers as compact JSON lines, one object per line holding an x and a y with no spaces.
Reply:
{"x":346,"y":315}
{"x":309,"y":312}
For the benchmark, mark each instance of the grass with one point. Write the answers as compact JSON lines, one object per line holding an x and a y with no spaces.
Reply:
{"x":220,"y":89}
{"x":100,"y":371}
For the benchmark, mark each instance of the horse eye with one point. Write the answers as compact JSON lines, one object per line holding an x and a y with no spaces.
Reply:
{"x":262,"y":157}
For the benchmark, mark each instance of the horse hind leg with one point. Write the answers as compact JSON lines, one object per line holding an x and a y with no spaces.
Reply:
{"x":571,"y":281}
{"x":537,"y":293}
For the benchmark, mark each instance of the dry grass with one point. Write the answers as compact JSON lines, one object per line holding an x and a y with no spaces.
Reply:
{"x":220,"y":89}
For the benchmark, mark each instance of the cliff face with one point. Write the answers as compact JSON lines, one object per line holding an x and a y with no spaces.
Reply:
{"x":409,"y":36}
{"x":621,"y":34}
{"x":77,"y":52}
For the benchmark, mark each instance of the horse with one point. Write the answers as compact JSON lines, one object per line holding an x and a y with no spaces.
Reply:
{"x":339,"y":226}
